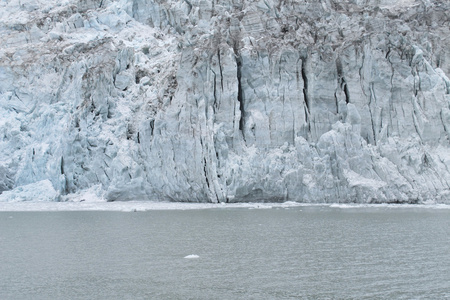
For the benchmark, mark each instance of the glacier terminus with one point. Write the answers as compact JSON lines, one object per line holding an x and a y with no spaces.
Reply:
{"x":225,"y":101}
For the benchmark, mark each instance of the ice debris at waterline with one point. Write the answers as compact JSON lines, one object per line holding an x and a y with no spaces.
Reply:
{"x":144,"y":206}
{"x":225,"y":101}
{"x":192,"y":256}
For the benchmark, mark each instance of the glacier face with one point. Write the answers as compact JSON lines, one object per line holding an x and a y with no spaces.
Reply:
{"x":225,"y":101}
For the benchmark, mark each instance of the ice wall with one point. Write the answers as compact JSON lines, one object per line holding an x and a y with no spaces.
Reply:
{"x":311,"y":101}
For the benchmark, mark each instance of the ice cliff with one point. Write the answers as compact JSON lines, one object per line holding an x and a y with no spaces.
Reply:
{"x":225,"y":100}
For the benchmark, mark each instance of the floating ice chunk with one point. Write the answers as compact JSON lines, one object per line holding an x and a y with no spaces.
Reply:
{"x":192,"y":256}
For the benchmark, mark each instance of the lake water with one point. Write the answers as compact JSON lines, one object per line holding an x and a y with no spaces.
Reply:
{"x":279,"y":253}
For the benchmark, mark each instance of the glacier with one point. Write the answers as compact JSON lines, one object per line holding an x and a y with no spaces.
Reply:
{"x":225,"y":101}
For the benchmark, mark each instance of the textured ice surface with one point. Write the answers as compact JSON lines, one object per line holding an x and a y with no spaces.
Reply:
{"x":39,"y":191}
{"x":225,"y":101}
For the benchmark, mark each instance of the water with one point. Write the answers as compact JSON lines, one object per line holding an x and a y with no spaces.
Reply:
{"x":303,"y":252}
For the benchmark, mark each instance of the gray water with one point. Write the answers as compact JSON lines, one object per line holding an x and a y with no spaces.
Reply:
{"x":307,"y":252}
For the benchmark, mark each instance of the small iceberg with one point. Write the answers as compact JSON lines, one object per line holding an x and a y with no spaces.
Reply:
{"x":192,"y":256}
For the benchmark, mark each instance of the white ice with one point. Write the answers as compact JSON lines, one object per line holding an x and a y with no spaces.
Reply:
{"x":142,"y":206}
{"x":239,"y":102}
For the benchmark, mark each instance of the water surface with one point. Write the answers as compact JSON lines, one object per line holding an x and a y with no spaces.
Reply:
{"x":278,"y":253}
